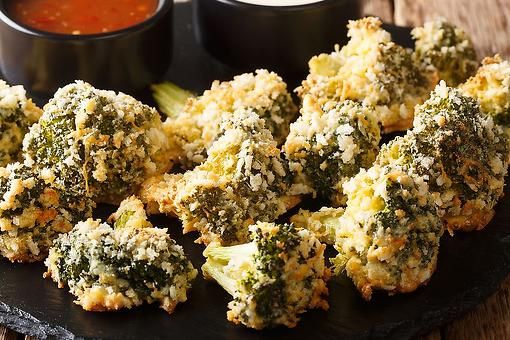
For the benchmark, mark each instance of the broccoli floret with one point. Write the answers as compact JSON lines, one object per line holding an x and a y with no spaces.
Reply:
{"x":330,"y":144}
{"x":17,"y":114}
{"x":373,"y":70}
{"x":194,"y":128}
{"x":490,"y":86}
{"x":388,"y":236}
{"x":272,"y":279}
{"x":442,"y":47}
{"x":322,"y":223}
{"x":110,"y":268}
{"x":243,"y":180}
{"x":109,"y":141}
{"x":461,"y":152}
{"x":34,"y":210}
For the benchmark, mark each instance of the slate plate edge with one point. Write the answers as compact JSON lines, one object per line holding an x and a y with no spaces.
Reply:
{"x":24,"y":323}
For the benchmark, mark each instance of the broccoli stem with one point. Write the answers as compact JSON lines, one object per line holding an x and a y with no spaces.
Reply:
{"x":123,"y":220}
{"x":225,"y":254}
{"x":215,"y":271}
{"x":219,"y":257}
{"x":330,"y":224}
{"x":170,"y":98}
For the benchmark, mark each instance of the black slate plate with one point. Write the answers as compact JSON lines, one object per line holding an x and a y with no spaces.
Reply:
{"x":471,"y":267}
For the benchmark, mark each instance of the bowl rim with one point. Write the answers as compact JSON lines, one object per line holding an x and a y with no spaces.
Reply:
{"x":313,"y":5}
{"x":164,"y":6}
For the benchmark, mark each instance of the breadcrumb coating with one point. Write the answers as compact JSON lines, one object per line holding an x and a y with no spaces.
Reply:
{"x":109,"y":141}
{"x":388,"y":236}
{"x":17,"y":114}
{"x":34,"y":210}
{"x":158,"y":193}
{"x":373,"y":70}
{"x":462,"y":154}
{"x":194,"y":130}
{"x":273,"y":279}
{"x":328,"y":145}
{"x":108,"y":268}
{"x":447,"y":49}
{"x":490,"y":86}
{"x":243,"y":180}
{"x":322,"y":223}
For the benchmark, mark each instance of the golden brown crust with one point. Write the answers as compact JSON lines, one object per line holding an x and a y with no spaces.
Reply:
{"x":129,"y":240}
{"x":384,"y":245}
{"x":291,"y":201}
{"x":158,"y":193}
{"x":169,"y":307}
{"x":366,"y":288}
{"x":490,"y":86}
{"x":470,"y":219}
{"x":400,"y":125}
{"x":374,"y":70}
{"x":27,"y":258}
{"x":321,"y":292}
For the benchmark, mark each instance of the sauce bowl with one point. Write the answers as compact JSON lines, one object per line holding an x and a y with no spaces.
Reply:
{"x":127,"y":60}
{"x":247,"y":35}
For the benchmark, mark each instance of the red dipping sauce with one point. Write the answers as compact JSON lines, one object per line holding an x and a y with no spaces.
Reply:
{"x":81,"y":16}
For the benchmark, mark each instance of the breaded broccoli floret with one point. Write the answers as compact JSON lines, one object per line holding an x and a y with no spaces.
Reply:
{"x":388,"y":236}
{"x":272,"y":279}
{"x":243,"y":180}
{"x":490,"y":86}
{"x":447,"y":49}
{"x":34,"y":210}
{"x":322,"y":223}
{"x":373,"y":70}
{"x":111,"y":142}
{"x":195,"y":125}
{"x":17,"y":114}
{"x":462,"y":153}
{"x":330,"y":144}
{"x":121,"y":266}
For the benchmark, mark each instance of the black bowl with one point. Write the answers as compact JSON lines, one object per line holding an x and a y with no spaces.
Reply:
{"x":282,"y":39}
{"x":126,"y":60}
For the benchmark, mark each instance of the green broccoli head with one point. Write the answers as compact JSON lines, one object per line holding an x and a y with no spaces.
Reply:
{"x":388,"y":236}
{"x":462,"y":153}
{"x":17,"y":114}
{"x":109,"y":268}
{"x":243,"y":180}
{"x":328,"y":145}
{"x":195,"y":123}
{"x":109,"y":142}
{"x":447,"y":49}
{"x":274,"y":278}
{"x":34,"y":210}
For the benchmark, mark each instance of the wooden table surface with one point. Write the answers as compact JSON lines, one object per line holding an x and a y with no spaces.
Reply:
{"x":487,"y":21}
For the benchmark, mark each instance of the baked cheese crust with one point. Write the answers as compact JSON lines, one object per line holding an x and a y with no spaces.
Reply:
{"x":373,"y":70}
{"x":120,"y":264}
